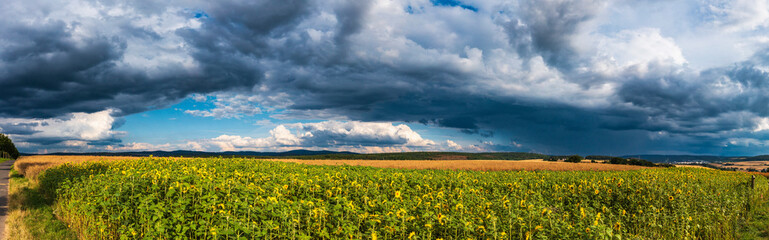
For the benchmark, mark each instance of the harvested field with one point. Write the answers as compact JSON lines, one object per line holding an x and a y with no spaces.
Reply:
{"x":744,"y":165}
{"x":31,"y":166}
{"x":691,"y":166}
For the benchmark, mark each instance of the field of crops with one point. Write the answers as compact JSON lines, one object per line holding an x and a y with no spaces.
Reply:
{"x":163,"y":198}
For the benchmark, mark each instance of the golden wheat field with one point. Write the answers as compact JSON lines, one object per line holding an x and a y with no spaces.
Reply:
{"x":31,"y":166}
{"x":744,"y":165}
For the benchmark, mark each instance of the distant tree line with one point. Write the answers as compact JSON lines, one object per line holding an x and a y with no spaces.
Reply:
{"x":599,"y":157}
{"x":566,"y":158}
{"x":757,"y":158}
{"x":637,"y":162}
{"x":608,"y":160}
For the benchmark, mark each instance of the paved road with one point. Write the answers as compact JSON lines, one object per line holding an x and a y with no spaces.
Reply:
{"x":5,"y":170}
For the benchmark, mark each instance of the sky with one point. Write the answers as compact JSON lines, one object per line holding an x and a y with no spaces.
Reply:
{"x":547,"y":76}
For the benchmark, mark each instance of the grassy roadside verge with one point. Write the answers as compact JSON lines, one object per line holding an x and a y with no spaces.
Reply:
{"x":29,"y":215}
{"x":757,"y":226}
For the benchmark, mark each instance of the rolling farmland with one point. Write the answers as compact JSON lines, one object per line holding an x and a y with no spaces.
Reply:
{"x":163,"y":198}
{"x":33,"y":165}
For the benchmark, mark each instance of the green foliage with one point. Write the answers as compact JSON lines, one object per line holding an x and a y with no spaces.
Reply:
{"x":6,"y":145}
{"x":598,"y":157}
{"x":552,"y":158}
{"x":757,"y":226}
{"x":637,"y":162}
{"x":246,"y":199}
{"x":617,"y":160}
{"x":640,"y":162}
{"x":574,"y":159}
{"x":756,"y":158}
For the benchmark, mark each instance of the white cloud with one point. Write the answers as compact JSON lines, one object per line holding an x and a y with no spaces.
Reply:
{"x":74,"y":129}
{"x":264,"y":122}
{"x":360,"y":133}
{"x":476,"y":148}
{"x":139,"y":146}
{"x":746,"y":142}
{"x":635,"y":51}
{"x":453,"y":146}
{"x":199,"y":97}
{"x":739,"y":15}
{"x":762,"y":124}
{"x":228,"y":106}
{"x":352,"y":136}
{"x":279,"y":137}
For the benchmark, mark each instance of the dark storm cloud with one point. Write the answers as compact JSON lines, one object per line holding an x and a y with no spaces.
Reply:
{"x":48,"y":72}
{"x":44,"y":63}
{"x":694,"y":104}
{"x":19,"y":128}
{"x":545,"y":28}
{"x":476,"y":71}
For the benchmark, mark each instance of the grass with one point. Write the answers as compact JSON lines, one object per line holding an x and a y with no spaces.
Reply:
{"x":29,"y":215}
{"x":757,"y":226}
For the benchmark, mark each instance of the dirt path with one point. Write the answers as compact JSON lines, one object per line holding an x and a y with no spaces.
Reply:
{"x":5,"y":170}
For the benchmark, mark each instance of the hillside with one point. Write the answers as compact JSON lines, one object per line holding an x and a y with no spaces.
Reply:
{"x":331,"y":155}
{"x":182,"y":153}
{"x":685,"y":158}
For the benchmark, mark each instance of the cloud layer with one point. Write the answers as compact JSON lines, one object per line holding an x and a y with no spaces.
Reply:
{"x":75,"y":131}
{"x":368,"y":137}
{"x":555,"y":76}
{"x":361,"y":136}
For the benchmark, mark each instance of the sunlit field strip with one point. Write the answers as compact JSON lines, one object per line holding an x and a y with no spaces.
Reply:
{"x":32,"y":165}
{"x":164,"y":198}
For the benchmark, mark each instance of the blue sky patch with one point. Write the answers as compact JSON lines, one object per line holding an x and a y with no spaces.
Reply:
{"x":453,"y":3}
{"x":200,"y":14}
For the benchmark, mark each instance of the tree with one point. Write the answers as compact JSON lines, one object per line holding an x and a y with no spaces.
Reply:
{"x":6,"y":145}
{"x":574,"y":159}
{"x":617,"y":160}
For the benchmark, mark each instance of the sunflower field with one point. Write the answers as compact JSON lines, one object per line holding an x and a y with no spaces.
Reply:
{"x":214,"y":198}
